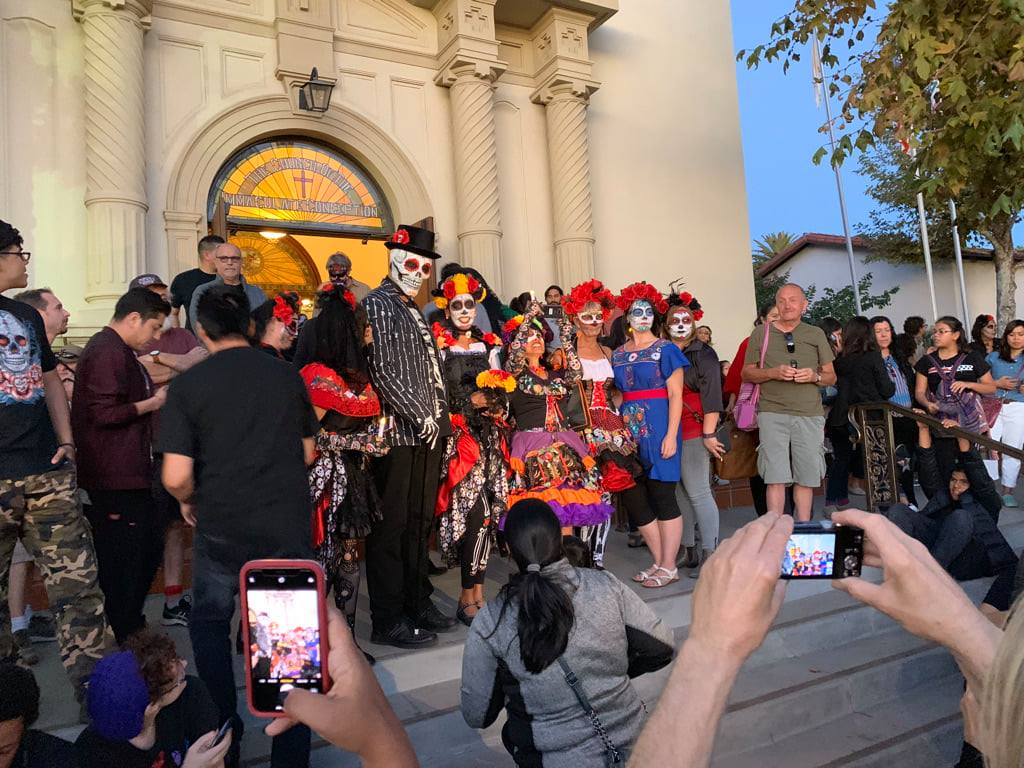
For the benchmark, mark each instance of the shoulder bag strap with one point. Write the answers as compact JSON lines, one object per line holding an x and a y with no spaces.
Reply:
{"x":764,"y":344}
{"x":611,"y":753}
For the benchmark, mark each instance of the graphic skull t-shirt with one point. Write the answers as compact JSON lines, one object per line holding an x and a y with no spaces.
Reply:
{"x":27,"y":441}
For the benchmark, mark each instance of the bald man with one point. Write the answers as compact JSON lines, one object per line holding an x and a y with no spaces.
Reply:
{"x":228,"y":263}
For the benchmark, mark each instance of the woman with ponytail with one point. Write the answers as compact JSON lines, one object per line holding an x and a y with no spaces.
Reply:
{"x":554,"y":640}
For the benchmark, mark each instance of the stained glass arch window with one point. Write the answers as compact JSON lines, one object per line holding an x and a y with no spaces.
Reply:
{"x":299,"y":185}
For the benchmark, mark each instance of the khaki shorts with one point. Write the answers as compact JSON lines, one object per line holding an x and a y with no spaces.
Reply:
{"x":792,"y":449}
{"x":21,"y":554}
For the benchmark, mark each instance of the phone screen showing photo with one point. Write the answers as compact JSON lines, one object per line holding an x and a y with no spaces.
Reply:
{"x":810,"y":555}
{"x":284,"y":649}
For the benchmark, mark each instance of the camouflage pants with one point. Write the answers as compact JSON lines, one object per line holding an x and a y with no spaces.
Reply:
{"x":43,"y":510}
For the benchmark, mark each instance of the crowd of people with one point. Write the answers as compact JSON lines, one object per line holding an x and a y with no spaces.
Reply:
{"x":371,"y":429}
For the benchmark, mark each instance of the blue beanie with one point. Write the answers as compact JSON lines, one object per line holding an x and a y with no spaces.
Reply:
{"x":117,"y":697}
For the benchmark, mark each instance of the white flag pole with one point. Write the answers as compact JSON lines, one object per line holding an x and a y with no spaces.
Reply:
{"x":819,"y":95}
{"x":959,"y":262}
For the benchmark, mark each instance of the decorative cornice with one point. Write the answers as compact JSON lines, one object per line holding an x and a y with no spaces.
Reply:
{"x":465,"y":65}
{"x":142,"y":10}
{"x":564,"y":84}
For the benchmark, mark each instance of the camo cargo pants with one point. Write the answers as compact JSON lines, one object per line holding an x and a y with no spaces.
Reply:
{"x":43,"y":510}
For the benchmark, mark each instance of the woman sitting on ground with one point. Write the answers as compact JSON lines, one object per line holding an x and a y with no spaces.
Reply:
{"x":549,"y":622}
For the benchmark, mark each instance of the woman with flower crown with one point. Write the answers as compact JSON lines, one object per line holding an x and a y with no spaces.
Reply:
{"x":549,"y":460}
{"x":473,"y":491}
{"x":344,"y":498}
{"x":589,"y":305}
{"x":649,"y":373}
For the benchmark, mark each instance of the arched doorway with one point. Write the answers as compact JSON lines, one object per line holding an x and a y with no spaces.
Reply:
{"x":289,"y":203}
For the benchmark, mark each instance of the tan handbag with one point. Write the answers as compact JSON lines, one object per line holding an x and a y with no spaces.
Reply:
{"x":740,"y":462}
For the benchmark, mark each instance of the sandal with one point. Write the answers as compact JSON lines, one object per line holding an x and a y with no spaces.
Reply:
{"x":661,"y":581}
{"x":645,"y":574}
{"x":466,"y":618}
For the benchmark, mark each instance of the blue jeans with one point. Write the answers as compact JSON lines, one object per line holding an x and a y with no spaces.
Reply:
{"x":215,"y":569}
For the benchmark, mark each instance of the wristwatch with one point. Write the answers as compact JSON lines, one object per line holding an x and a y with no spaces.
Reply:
{"x":817,"y":378}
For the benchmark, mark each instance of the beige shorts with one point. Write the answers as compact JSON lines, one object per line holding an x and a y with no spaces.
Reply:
{"x":21,"y":554}
{"x":792,"y":449}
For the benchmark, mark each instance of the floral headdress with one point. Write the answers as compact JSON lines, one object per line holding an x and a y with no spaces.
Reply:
{"x":457,"y":284}
{"x":496,"y":378}
{"x":329,"y":289}
{"x":592,"y":291}
{"x":642,"y":291}
{"x":285,"y":307}
{"x":508,"y":330}
{"x":684,"y":299}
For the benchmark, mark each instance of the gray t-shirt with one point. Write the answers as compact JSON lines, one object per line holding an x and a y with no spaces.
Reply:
{"x":810,"y":350}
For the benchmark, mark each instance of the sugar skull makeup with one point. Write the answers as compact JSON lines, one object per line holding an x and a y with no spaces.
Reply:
{"x":680,"y":324}
{"x":641,"y":316}
{"x":462,"y":311}
{"x":590,"y":320}
{"x":409,"y":270}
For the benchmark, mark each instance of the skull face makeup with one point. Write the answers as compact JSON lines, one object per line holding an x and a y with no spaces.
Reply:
{"x":590,"y":320}
{"x":680,"y":324}
{"x":408,"y":270}
{"x":462,"y":311}
{"x":641,"y":316}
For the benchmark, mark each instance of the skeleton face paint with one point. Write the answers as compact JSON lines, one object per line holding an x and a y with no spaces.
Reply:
{"x":534,"y":342}
{"x":641,"y":316}
{"x":590,"y":320}
{"x":680,"y":325}
{"x":409,"y":270}
{"x":462,"y":311}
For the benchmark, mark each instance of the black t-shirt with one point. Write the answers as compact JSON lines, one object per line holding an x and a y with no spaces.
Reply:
{"x":971,"y":368}
{"x":184,"y":285}
{"x":177,"y":727}
{"x":39,"y":749}
{"x":27,"y":441}
{"x":241,"y":415}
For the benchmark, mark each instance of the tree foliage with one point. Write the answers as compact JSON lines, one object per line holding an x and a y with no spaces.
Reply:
{"x":841,"y":305}
{"x":969,"y":140}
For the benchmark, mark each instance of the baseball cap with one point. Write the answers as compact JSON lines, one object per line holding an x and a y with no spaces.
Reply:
{"x":146,"y":281}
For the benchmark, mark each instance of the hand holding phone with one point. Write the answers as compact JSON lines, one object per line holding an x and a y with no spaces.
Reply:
{"x":285,"y":622}
{"x":204,"y":754}
{"x":221,"y":733}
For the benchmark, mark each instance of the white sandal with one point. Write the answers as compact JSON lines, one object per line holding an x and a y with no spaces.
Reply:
{"x":661,"y":581}
{"x":645,"y":574}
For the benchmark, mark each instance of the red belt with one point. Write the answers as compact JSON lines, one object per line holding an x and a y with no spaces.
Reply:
{"x":646,"y":394}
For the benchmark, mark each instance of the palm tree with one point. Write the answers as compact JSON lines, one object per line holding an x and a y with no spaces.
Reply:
{"x":771,"y":244}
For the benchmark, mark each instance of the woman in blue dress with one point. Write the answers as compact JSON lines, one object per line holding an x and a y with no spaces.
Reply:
{"x":649,"y":373}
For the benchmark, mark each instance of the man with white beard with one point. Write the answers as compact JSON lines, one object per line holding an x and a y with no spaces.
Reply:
{"x":406,"y":373}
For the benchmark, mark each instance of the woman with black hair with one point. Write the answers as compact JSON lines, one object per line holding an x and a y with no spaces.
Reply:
{"x":1007,"y":363}
{"x":344,"y":498}
{"x":901,"y":373}
{"x":276,"y":325}
{"x":556,"y":636}
{"x":861,"y":377}
{"x":983,"y":335}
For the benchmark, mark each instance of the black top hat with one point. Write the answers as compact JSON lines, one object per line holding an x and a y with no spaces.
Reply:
{"x":413,"y":239}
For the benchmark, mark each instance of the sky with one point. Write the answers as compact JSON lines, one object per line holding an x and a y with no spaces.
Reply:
{"x":779,"y":124}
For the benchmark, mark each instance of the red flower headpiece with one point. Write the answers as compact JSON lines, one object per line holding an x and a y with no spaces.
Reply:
{"x":586,"y":293}
{"x":688,"y":300}
{"x":642,"y":291}
{"x":329,"y":289}
{"x":283,"y":310}
{"x":457,"y":284}
{"x":401,"y":237}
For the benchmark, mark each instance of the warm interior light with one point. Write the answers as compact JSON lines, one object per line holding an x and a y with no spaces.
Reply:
{"x":271,"y":235}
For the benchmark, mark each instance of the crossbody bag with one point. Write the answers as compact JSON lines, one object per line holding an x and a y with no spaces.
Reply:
{"x":612,"y":754}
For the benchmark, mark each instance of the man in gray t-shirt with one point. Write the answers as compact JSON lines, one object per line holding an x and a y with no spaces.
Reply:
{"x":798,"y":361}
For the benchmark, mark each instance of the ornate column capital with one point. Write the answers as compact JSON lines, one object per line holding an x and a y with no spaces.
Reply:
{"x":142,"y":10}
{"x":564,"y":85}
{"x":463,"y":65}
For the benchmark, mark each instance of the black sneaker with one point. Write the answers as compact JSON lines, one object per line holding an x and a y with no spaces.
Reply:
{"x":41,"y":628}
{"x":178,"y":614}
{"x":433,"y":620}
{"x":404,"y":635}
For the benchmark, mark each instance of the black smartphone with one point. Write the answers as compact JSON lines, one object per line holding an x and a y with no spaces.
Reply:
{"x":793,"y":363}
{"x":285,"y":620}
{"x":553,"y":311}
{"x":221,"y":733}
{"x":823,"y":550}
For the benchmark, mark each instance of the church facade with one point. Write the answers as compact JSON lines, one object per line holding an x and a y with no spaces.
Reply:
{"x":544,"y":141}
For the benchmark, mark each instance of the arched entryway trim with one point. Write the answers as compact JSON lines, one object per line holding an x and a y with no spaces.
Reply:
{"x":269,"y":116}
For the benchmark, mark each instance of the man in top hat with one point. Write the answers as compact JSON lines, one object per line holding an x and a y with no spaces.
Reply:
{"x":406,"y":373}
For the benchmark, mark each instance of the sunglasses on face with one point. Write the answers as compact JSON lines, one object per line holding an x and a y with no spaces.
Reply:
{"x":229,"y":259}
{"x":790,"y":344}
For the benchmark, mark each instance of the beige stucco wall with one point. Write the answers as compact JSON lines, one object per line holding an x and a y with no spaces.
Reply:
{"x":667,"y":177}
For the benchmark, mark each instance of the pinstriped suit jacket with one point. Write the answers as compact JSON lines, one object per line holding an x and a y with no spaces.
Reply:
{"x":400,"y":366}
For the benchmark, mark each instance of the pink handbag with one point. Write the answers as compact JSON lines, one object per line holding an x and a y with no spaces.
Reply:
{"x":745,"y":411}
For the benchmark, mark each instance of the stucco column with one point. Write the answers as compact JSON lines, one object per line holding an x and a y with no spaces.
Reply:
{"x":476,"y":165}
{"x":569,"y":157}
{"x":115,"y":196}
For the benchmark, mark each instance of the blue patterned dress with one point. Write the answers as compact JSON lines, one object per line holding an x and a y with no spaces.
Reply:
{"x":641,"y":377}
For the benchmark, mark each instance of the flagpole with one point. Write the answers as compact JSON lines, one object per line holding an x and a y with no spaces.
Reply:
{"x":959,"y":261}
{"x":819,"y":80}
{"x":922,"y":224}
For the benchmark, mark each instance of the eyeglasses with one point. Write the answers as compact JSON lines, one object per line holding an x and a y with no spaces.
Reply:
{"x":229,"y":259}
{"x":25,"y":255}
{"x":178,"y":682}
{"x":790,"y":344}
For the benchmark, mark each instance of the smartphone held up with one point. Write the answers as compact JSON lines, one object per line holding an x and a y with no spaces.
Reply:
{"x":823,"y":550}
{"x":285,"y":623}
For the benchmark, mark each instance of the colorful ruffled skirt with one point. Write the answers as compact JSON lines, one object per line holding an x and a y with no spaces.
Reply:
{"x":556,"y":467}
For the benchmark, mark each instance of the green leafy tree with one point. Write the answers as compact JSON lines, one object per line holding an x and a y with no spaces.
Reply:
{"x":943,"y":75}
{"x":840,"y":303}
{"x":769,"y":246}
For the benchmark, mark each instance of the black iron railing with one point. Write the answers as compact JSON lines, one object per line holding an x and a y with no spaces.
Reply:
{"x":873,"y":424}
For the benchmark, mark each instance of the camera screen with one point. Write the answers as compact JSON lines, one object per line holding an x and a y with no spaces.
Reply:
{"x":809,"y":554}
{"x":284,"y":635}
